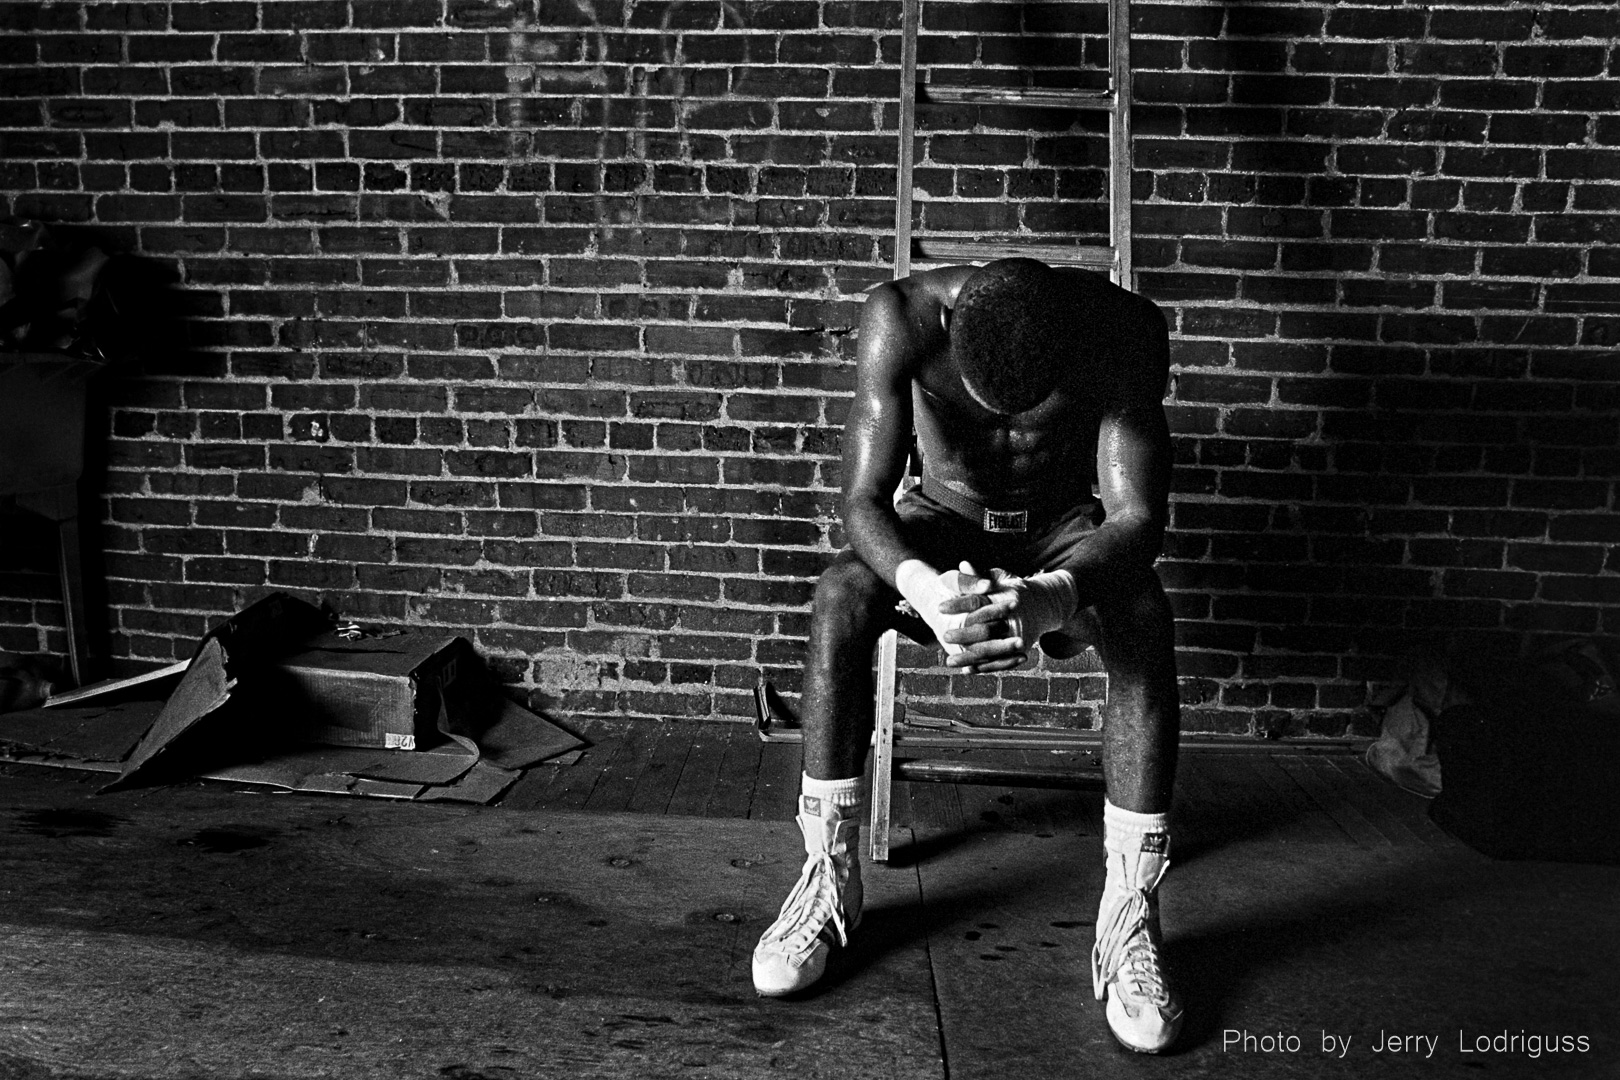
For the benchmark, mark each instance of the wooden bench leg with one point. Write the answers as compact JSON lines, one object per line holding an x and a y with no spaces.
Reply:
{"x":883,"y":749}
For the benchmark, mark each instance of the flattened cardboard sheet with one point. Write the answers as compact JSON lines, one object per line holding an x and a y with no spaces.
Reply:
{"x":93,"y":733}
{"x":204,"y":689}
{"x":481,"y":784}
{"x":385,"y":789}
{"x":291,"y":768}
{"x":101,"y":692}
{"x":518,"y":738}
{"x":257,"y":634}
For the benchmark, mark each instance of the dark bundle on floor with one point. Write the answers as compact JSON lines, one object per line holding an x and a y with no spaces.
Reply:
{"x":1529,"y":768}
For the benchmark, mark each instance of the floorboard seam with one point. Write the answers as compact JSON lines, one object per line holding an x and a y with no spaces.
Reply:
{"x":933,"y":978}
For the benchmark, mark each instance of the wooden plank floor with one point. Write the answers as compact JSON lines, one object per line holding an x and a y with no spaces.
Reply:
{"x":1284,"y":792}
{"x":171,"y":932}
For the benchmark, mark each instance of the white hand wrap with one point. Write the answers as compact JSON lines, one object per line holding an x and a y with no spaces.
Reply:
{"x":1040,"y":603}
{"x":925,"y":589}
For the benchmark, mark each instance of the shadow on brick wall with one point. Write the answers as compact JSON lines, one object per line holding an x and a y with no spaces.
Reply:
{"x":1393,"y":411}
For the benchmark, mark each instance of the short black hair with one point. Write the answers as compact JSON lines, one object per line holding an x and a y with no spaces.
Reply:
{"x":1014,"y":330}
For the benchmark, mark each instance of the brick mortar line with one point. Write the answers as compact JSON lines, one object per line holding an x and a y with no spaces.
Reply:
{"x":879,"y":132}
{"x":1601,"y":307}
{"x":743,"y":68}
{"x":875,"y":34}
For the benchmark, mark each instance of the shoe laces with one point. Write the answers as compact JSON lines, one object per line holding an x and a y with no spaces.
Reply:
{"x":1126,"y":950}
{"x":815,"y":903}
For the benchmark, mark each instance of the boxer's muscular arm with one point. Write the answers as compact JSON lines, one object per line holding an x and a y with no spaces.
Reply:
{"x":1133,"y":464}
{"x":877,"y":434}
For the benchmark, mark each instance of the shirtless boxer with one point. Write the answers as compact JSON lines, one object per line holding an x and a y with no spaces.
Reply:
{"x":1024,"y":385}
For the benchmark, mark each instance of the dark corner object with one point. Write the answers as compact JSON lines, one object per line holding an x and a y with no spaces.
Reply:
{"x":73,"y":299}
{"x":1518,"y":753}
{"x":42,"y":423}
{"x":1530,"y":783}
{"x":67,"y":312}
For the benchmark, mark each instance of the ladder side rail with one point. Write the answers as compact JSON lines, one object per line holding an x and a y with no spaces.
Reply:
{"x":1119,"y":141}
{"x":908,"y":137}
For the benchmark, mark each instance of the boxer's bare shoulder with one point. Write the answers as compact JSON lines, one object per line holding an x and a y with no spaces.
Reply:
{"x":905,"y":323}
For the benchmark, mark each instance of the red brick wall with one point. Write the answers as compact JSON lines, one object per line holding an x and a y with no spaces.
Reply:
{"x":533,"y":320}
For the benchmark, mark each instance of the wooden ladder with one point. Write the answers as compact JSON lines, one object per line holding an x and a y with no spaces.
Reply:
{"x":1115,"y":100}
{"x":1115,"y":258}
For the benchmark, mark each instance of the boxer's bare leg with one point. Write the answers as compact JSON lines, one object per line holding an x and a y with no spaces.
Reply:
{"x":1141,"y":723}
{"x":846,"y":621}
{"x":1142,"y":716}
{"x":824,"y":907}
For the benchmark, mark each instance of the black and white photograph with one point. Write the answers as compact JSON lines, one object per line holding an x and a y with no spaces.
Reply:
{"x":828,"y":539}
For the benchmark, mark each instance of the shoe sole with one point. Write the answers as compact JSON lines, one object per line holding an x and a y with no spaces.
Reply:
{"x":1143,"y":1049}
{"x":779,"y":993}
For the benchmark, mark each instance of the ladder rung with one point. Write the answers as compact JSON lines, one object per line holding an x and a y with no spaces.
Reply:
{"x":927,"y":250}
{"x":967,"y":772}
{"x":1035,"y":97}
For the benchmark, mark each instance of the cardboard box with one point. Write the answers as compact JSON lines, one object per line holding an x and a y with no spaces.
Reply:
{"x":384,"y":692}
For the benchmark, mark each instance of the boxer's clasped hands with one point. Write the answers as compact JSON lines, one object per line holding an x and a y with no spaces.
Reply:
{"x":986,"y":622}
{"x":1003,"y":616}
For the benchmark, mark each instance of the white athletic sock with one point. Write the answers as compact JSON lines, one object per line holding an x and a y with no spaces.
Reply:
{"x":1124,"y":829}
{"x":847,"y":794}
{"x":1138,"y":848}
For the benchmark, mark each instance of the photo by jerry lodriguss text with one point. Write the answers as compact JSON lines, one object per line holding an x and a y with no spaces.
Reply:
{"x":1424,"y":1045}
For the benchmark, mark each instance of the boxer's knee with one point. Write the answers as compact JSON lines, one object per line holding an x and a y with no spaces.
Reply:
{"x":1137,"y":624}
{"x":1134,"y":597}
{"x":850,"y":598}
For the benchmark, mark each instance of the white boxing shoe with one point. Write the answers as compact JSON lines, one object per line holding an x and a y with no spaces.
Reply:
{"x":823,"y":908}
{"x":1143,"y":1012}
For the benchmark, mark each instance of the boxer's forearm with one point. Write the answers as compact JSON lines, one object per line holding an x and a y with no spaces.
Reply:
{"x":873,"y":531}
{"x":921,"y":583}
{"x":1123,"y":542}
